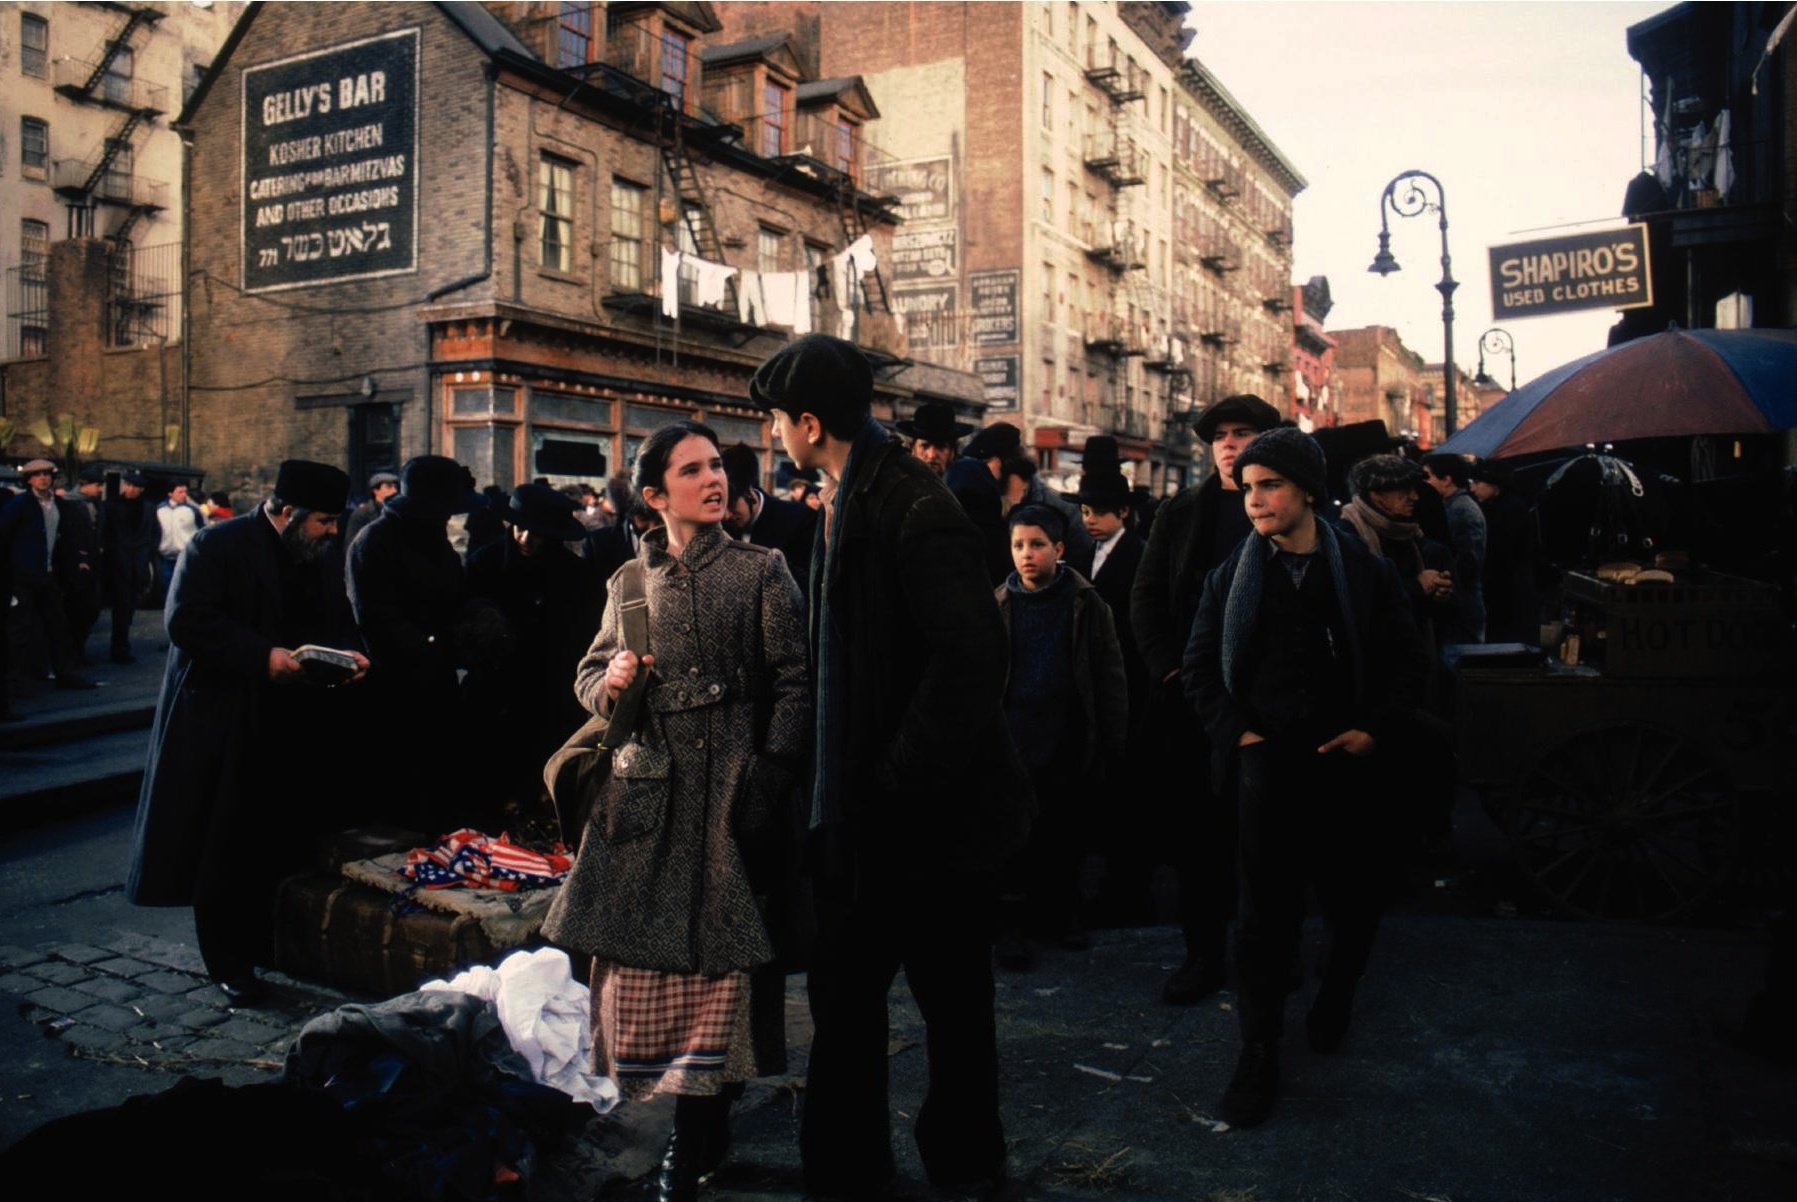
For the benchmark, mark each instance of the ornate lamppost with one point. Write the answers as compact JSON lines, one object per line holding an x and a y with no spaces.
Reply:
{"x":1406,"y":196}
{"x":1496,"y":341}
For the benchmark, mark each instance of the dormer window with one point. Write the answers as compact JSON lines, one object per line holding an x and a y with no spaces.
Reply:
{"x":776,"y":109}
{"x":676,"y":55}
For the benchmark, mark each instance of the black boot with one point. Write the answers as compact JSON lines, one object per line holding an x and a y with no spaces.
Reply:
{"x":1249,"y":1098}
{"x":698,"y":1145}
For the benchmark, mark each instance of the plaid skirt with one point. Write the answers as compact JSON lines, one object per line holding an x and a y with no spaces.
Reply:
{"x":660,"y":1032}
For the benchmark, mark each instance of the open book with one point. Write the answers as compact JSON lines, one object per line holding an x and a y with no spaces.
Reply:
{"x":326,"y":665}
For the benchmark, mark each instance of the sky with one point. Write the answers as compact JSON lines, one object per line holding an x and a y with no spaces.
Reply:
{"x":1528,"y":113}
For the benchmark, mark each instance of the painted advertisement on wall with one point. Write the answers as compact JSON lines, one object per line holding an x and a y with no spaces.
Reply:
{"x":330,"y":165}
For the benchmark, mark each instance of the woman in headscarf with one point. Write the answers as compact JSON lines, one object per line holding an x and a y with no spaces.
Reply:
{"x":699,"y":814}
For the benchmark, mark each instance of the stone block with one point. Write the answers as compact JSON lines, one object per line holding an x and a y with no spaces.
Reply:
{"x":109,"y":1017}
{"x":164,"y":981}
{"x":18,"y":982}
{"x":58,"y":973}
{"x":19,"y":957}
{"x":162,"y":1007}
{"x":245,"y":1030}
{"x":79,"y":953}
{"x":221,"y":1049}
{"x":62,"y":1001}
{"x":95,"y":1039}
{"x":199,"y":1018}
{"x":125,"y":966}
{"x":111,"y":989}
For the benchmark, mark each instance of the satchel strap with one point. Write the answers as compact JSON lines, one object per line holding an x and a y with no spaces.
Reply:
{"x":633,"y":612}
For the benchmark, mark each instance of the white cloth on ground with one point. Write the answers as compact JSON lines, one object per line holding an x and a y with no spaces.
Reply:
{"x":547,"y":1017}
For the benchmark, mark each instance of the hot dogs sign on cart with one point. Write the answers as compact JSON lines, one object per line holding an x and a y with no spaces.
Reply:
{"x":1602,"y":270}
{"x":330,"y":165}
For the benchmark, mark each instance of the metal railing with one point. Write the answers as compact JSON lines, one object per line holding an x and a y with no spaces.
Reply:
{"x":120,"y":91}
{"x":143,"y":301}
{"x":116,"y":187}
{"x":27,"y":312}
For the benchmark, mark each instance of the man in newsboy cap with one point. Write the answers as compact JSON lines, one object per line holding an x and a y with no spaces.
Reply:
{"x":235,"y":757}
{"x":919,"y":794}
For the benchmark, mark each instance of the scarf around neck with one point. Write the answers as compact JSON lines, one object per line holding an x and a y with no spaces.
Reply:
{"x":1378,"y":531}
{"x":1241,"y":610}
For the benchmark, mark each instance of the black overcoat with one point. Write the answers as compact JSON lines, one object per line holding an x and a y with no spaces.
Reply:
{"x":929,"y":775}
{"x":130,"y":536}
{"x":218,"y":715}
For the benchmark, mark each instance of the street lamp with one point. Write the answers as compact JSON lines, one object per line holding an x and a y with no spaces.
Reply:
{"x":1497,"y":341}
{"x":1410,"y":201}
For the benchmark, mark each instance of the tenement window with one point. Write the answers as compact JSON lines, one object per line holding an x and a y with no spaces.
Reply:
{"x":34,"y":44}
{"x":627,"y":236}
{"x":555,"y":213}
{"x":676,"y":51}
{"x":34,"y":247}
{"x":34,"y":145}
{"x":773,"y":121}
{"x":574,"y":43}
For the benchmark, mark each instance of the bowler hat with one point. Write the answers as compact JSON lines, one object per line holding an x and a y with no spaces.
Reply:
{"x":544,"y":510}
{"x":815,"y":374}
{"x":439,"y":483}
{"x":36,"y":466}
{"x":1000,"y":440}
{"x":1243,"y":407}
{"x":935,"y":422}
{"x":316,"y":486}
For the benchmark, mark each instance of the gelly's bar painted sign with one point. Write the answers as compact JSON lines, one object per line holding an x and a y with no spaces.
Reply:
{"x":998,"y":380}
{"x":1603,"y":270}
{"x":330,"y":165}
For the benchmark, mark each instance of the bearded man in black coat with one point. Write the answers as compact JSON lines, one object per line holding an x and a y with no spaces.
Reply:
{"x":228,"y":776}
{"x":129,"y":534}
{"x":407,"y":587}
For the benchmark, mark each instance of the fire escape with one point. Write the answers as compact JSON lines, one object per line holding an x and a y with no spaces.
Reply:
{"x":1116,"y":242}
{"x":110,"y":179}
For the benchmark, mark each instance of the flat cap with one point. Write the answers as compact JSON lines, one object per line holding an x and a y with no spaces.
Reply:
{"x":814,"y":374}
{"x":38,"y":465}
{"x":1243,"y":407}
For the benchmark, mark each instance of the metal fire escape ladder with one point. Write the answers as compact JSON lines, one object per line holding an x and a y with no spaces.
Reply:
{"x":139,"y":16}
{"x":695,"y":208}
{"x":854,"y":225}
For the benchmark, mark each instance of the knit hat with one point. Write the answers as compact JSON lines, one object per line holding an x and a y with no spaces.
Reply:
{"x":815,"y":374}
{"x":1376,"y":473}
{"x":1293,"y":454}
{"x":316,"y":486}
{"x":1243,"y":407}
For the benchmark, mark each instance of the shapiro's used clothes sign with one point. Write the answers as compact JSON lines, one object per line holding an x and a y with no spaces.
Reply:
{"x":330,"y":165}
{"x":1603,"y":270}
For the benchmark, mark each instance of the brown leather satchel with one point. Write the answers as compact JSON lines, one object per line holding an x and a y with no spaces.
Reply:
{"x":575,"y":774}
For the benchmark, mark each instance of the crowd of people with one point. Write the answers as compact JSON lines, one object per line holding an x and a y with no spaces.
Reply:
{"x":893,"y":719}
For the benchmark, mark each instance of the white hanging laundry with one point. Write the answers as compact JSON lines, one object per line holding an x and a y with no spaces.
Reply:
{"x":788,"y":300}
{"x":1725,"y":156}
{"x":670,"y":283}
{"x":547,"y":1019}
{"x":712,"y":278}
{"x":861,"y":250}
{"x":751,"y":304}
{"x":839,"y":281}
{"x":845,"y":324}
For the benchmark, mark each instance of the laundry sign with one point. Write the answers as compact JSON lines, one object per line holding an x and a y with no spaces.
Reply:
{"x":1606,"y":269}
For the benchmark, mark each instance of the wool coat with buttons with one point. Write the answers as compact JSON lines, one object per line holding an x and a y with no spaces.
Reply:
{"x":660,"y":881}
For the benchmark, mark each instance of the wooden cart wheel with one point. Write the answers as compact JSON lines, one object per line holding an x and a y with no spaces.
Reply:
{"x":1627,"y":822}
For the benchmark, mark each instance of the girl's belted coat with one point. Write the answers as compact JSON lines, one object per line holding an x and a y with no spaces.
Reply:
{"x":660,"y":881}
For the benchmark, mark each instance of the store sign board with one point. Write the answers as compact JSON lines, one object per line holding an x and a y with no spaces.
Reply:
{"x":992,"y":297}
{"x":1606,"y":269}
{"x":924,"y":254}
{"x":998,"y":379}
{"x":921,"y":185}
{"x":929,"y":315}
{"x":330,"y":165}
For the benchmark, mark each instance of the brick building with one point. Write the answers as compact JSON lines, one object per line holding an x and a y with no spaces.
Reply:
{"x":452,"y":227}
{"x":1314,"y":384}
{"x":1092,"y":224}
{"x":1381,"y":379}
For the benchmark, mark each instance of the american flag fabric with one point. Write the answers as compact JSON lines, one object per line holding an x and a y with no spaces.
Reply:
{"x":470,"y":859}
{"x":661,"y":1032}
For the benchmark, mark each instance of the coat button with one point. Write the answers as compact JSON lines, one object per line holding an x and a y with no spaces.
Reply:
{"x":716,"y":689}
{"x":699,"y":744}
{"x":692,"y":671}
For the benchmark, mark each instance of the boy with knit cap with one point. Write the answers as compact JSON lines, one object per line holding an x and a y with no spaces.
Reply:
{"x":1302,"y":658}
{"x":1067,"y":707}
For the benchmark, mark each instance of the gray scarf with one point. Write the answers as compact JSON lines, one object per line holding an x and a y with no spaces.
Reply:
{"x":1241,"y":611}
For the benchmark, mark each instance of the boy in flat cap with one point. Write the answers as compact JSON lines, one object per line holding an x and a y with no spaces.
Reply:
{"x":1192,"y":533}
{"x":234,"y":760}
{"x":1303,"y":658}
{"x":919,"y":796}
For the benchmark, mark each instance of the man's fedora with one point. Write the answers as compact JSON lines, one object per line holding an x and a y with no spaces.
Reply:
{"x":935,"y":422}
{"x":544,"y":510}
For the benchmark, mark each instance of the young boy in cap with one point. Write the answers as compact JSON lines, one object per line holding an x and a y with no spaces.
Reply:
{"x":1192,"y":533}
{"x":1067,"y":707}
{"x":1302,"y":658}
{"x":918,"y":797}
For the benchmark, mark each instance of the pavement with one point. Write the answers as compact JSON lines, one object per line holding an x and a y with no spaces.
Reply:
{"x":1496,"y":1054}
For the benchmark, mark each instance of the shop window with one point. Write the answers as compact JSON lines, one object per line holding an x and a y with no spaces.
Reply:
{"x":555,"y":213}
